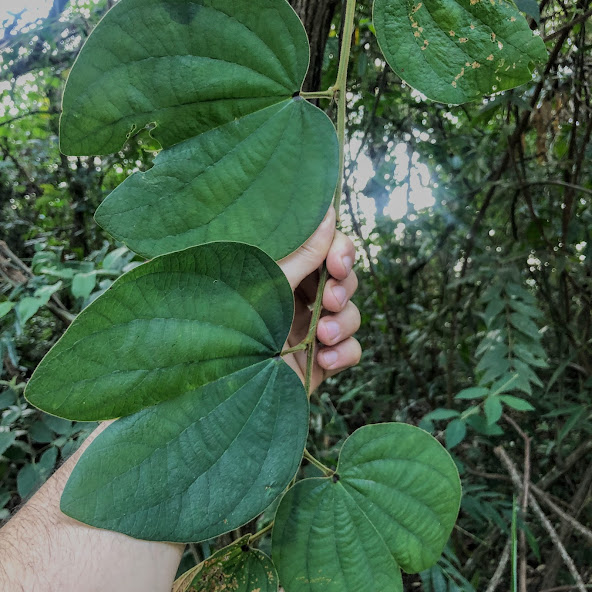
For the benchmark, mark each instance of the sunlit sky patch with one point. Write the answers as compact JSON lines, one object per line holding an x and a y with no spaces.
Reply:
{"x":33,"y":10}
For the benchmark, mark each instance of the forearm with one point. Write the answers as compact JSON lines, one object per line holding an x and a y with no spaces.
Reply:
{"x":44,"y":550}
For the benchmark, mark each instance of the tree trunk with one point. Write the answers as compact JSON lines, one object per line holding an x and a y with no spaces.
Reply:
{"x":316,"y":15}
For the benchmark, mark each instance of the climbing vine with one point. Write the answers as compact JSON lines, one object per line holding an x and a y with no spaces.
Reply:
{"x":185,"y":351}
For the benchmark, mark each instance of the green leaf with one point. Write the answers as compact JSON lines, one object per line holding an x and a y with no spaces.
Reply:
{"x":440,"y":414}
{"x":83,"y":284}
{"x":493,"y":410}
{"x":525,"y":325}
{"x":245,"y":159}
{"x":235,"y":182}
{"x":6,"y":441}
{"x":455,"y":51}
{"x":165,"y":329}
{"x":197,"y":466}
{"x":455,"y":433}
{"x":475,"y":392}
{"x":32,"y":476}
{"x":517,"y":403}
{"x":394,"y":500}
{"x":28,"y":306}
{"x":237,"y":568}
{"x":5,"y":308}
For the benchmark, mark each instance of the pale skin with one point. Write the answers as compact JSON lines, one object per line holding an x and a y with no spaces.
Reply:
{"x":43,"y":550}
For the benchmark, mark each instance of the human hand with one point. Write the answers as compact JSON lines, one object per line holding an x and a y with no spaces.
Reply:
{"x":341,"y":318}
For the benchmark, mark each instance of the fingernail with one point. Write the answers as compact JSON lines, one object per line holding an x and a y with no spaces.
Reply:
{"x":329,"y":357}
{"x":348,"y":264}
{"x":340,"y":294}
{"x":331,"y":329}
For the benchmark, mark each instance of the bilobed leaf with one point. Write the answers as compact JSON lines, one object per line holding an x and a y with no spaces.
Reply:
{"x":244,"y":159}
{"x":455,"y":51}
{"x":394,"y":499}
{"x":236,"y":568}
{"x":186,"y":346}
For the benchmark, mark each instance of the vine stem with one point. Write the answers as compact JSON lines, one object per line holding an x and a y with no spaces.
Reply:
{"x":260,"y":533}
{"x":317,"y":463}
{"x":340,"y":88}
{"x":338,"y":93}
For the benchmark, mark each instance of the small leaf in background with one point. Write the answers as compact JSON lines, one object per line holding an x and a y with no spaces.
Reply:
{"x":5,"y":308}
{"x":40,"y":433}
{"x":6,"y":441}
{"x":27,"y":307}
{"x":493,"y":409}
{"x":32,"y":476}
{"x":320,"y":520}
{"x":236,"y":568}
{"x":455,"y":433}
{"x":83,"y":284}
{"x":475,"y":392}
{"x":516,"y":403}
{"x":456,"y":51}
{"x":440,"y":414}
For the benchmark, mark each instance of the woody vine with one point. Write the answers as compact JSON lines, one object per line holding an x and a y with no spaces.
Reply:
{"x":185,"y":351}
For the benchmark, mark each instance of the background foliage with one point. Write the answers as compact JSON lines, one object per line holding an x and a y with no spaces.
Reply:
{"x":473,"y":228}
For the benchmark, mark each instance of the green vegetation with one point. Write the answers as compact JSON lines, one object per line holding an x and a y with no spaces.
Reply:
{"x":476,"y":308}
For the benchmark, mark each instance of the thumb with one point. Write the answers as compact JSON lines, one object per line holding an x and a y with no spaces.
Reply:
{"x":310,"y":256}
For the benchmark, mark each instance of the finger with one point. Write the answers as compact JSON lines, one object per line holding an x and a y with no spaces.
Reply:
{"x":339,"y":357}
{"x":311,"y":254}
{"x":337,"y":294}
{"x":336,"y":327}
{"x":341,"y":257}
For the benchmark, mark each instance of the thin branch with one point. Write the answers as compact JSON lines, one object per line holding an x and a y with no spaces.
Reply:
{"x":501,"y":567}
{"x":513,"y":472}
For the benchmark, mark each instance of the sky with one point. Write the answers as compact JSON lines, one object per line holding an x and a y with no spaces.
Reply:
{"x":34,"y":9}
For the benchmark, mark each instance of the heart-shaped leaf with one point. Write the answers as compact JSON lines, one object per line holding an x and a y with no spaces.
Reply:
{"x":219,"y":77}
{"x":393,"y":500}
{"x":165,"y":329}
{"x":237,"y":181}
{"x":197,"y":466}
{"x":237,"y":568}
{"x":455,"y":51}
{"x":193,"y":337}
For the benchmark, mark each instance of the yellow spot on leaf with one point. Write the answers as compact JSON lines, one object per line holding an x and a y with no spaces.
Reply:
{"x":463,"y":39}
{"x":452,"y":33}
{"x":490,"y":58}
{"x":475,"y":65}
